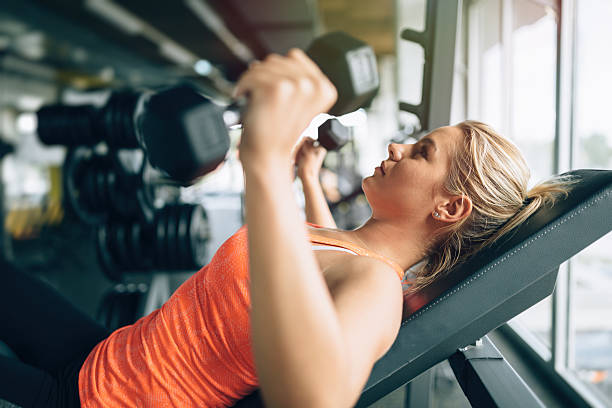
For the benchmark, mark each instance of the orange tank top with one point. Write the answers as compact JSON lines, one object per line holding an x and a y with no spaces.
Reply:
{"x":195,"y":351}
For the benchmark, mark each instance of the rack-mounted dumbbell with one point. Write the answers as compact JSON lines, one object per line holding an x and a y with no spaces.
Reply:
{"x":98,"y":187}
{"x":175,"y":241}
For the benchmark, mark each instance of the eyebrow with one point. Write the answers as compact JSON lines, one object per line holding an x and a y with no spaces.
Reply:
{"x":430,"y":142}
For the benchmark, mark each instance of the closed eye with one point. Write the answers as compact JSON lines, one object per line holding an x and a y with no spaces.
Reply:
{"x":427,"y":147}
{"x":421,"y":150}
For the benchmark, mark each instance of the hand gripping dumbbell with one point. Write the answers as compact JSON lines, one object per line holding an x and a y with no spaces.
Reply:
{"x":183,"y":132}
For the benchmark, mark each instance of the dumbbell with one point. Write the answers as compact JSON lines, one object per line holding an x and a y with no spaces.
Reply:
{"x":98,"y":187}
{"x":332,"y":134}
{"x":183,"y":132}
{"x":176,"y":241}
{"x":180,"y":234}
{"x":122,"y":305}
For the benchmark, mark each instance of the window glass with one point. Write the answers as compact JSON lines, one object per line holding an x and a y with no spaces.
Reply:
{"x":485,"y":77}
{"x":411,"y":57}
{"x":512,"y":67}
{"x":533,"y":95}
{"x":592,"y":124}
{"x":538,"y":320}
{"x":411,"y":63}
{"x":591,"y":289}
{"x":411,"y":14}
{"x":591,"y":348}
{"x":532,"y":119}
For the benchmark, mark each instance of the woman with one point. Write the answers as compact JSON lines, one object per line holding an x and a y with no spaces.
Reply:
{"x":300,"y":311}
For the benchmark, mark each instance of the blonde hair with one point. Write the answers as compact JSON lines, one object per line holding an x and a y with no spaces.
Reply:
{"x":492,"y":172}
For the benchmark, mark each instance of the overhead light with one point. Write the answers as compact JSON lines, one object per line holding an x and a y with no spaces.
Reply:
{"x":26,"y":123}
{"x":176,"y":53}
{"x":203,"y":67}
{"x":211,"y":20}
{"x":31,"y":45}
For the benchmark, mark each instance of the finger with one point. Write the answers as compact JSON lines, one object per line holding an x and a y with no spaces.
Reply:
{"x":318,"y":149}
{"x":254,"y":79}
{"x":300,"y":144}
{"x":293,"y":70}
{"x":256,"y":71}
{"x":299,"y":55}
{"x":325,"y":86}
{"x":282,"y":65}
{"x":310,"y":146}
{"x":309,"y":140}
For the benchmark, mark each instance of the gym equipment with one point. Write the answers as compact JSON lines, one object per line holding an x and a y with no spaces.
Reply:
{"x":175,"y":241}
{"x":180,"y":234}
{"x":332,"y":134}
{"x":182,"y":132}
{"x":108,"y":259}
{"x":98,"y":187}
{"x":122,"y":305}
{"x":5,"y":148}
{"x":86,"y":125}
{"x":350,"y":64}
{"x":438,"y":40}
{"x":492,"y":287}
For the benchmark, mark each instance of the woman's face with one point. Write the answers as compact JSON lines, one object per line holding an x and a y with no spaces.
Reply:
{"x":410,"y":181}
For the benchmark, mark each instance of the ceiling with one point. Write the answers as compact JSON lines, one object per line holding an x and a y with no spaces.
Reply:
{"x":371,"y":20}
{"x":96,"y":43}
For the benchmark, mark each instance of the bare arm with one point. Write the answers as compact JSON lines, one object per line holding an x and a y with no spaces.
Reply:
{"x":308,"y":160}
{"x":304,"y":338}
{"x":369,"y":308}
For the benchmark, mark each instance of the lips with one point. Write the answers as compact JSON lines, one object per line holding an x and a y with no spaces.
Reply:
{"x":382,"y":167}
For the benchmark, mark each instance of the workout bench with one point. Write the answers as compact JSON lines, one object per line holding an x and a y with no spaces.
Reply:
{"x":488,"y":290}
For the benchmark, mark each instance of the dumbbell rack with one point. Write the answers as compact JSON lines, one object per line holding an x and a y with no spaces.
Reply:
{"x":438,"y":42}
{"x":131,"y":234}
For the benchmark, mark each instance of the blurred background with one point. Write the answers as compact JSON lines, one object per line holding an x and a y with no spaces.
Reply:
{"x":538,"y":71}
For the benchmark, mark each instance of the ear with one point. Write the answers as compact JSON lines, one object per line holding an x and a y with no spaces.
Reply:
{"x":453,"y":209}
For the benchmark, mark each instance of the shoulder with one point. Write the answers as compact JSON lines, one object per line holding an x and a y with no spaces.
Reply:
{"x":369,"y":283}
{"x":366,"y":268}
{"x":368,"y":301}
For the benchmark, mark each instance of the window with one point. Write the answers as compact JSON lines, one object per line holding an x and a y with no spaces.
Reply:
{"x":590,"y":351}
{"x":532,"y":89}
{"x":511,"y":86}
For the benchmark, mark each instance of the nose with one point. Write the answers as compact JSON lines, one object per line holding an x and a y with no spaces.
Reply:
{"x":395,"y":151}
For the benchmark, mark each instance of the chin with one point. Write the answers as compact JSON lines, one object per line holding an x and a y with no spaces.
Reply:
{"x":365,"y":184}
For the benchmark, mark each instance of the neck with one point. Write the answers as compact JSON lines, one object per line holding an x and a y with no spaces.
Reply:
{"x":402,"y":243}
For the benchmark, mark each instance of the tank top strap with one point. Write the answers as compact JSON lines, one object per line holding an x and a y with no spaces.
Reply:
{"x":320,"y":239}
